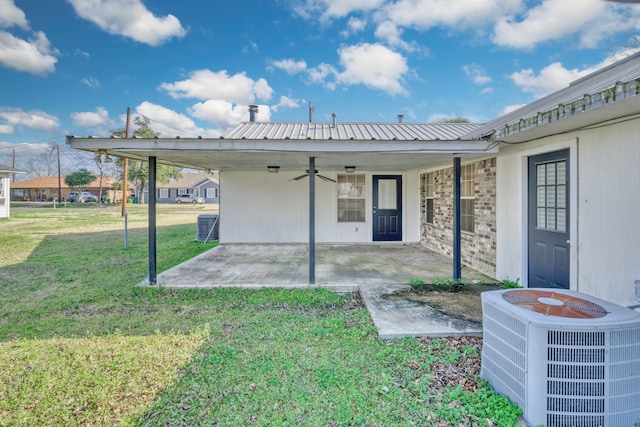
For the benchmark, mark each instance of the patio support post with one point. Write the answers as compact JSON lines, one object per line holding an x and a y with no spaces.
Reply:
{"x":152,"y":221}
{"x":312,"y":220}
{"x":457,"y":263}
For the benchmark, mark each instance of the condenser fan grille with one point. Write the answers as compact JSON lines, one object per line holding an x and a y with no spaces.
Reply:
{"x":554,"y":304}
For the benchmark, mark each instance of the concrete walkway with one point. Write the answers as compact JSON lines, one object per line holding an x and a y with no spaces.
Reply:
{"x":373,"y":269}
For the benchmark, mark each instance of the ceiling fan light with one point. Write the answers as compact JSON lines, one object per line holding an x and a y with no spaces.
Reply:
{"x":349,"y":169}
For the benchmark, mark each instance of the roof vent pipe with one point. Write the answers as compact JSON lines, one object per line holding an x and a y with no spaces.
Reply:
{"x":400,"y":118}
{"x":253,"y":110}
{"x":333,"y":119}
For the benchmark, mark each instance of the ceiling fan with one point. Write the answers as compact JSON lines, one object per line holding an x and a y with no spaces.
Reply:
{"x":306,"y":174}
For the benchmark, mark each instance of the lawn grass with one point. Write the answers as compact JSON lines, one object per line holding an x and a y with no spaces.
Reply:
{"x":83,"y":344}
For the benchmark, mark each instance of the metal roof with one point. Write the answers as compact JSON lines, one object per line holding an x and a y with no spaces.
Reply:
{"x":352,"y":131}
{"x":617,"y":81}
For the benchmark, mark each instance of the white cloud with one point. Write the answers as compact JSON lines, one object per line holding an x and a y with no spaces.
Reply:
{"x":476,"y":73}
{"x":550,"y":79}
{"x":206,"y":84}
{"x":320,"y":73}
{"x":225,"y":114}
{"x":87,"y":119}
{"x":34,"y":56}
{"x":356,"y":24}
{"x":6,"y":129}
{"x":11,"y":15}
{"x":509,"y":108}
{"x":91,"y":82}
{"x":520,"y":24}
{"x":555,"y":77}
{"x":262,"y":89}
{"x":286,"y":102}
{"x":392,"y":35}
{"x":374,"y":66}
{"x":169,"y":123}
{"x":425,"y":14}
{"x":25,"y":148}
{"x":33,"y":119}
{"x":327,"y":9}
{"x":549,"y":21}
{"x":291,"y":66}
{"x":129,"y":18}
{"x":82,"y":53}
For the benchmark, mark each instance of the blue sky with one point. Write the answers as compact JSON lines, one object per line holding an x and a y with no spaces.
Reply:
{"x":74,"y":66}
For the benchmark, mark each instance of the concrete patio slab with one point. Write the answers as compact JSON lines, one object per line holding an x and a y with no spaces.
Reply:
{"x":373,"y":269}
{"x":397,"y":319}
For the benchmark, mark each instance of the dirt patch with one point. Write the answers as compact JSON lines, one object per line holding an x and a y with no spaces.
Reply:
{"x":461,"y":303}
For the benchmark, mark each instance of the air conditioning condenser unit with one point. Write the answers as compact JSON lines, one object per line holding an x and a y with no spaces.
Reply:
{"x":566,"y":358}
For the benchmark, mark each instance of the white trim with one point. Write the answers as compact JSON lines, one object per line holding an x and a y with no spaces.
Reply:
{"x":572,"y":145}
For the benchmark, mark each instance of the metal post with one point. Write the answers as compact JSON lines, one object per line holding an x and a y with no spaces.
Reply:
{"x":457,"y":262}
{"x":312,"y":220}
{"x":152,"y":221}
{"x":126,"y":230}
{"x":125,"y":167}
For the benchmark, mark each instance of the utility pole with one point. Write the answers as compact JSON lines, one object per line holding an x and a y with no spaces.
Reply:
{"x":59,"y":178}
{"x":14,"y":164}
{"x":125,"y":174}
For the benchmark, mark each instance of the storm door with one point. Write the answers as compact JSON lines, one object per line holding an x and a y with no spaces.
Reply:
{"x":548,"y":228}
{"x":387,"y":208}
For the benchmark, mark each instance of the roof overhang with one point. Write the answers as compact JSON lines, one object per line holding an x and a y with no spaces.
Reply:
{"x":249,"y":155}
{"x":555,"y":123}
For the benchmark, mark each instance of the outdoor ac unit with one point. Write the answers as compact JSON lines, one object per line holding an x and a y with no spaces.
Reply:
{"x":566,"y":358}
{"x":208,"y":226}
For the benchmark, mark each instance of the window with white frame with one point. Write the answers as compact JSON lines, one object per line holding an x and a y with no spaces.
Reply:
{"x":351,"y":197}
{"x":182,"y":191}
{"x":428,"y":196}
{"x":212,"y":193}
{"x":1,"y":187}
{"x":467,"y":199}
{"x":163,"y":193}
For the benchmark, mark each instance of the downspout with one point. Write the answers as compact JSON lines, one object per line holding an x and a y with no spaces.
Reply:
{"x":457,"y":261}
{"x":152,"y":221}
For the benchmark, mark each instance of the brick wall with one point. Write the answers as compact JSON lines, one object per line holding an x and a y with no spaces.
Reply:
{"x":478,"y":249}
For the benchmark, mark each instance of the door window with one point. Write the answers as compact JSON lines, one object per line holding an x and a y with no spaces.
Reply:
{"x":551,"y":196}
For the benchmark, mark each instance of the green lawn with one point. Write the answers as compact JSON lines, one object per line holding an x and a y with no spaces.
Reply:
{"x":83,"y":344}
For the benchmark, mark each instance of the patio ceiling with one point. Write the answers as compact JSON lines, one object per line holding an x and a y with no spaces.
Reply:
{"x":255,"y":155}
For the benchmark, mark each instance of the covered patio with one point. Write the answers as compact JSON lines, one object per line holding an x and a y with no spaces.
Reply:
{"x":249,"y":156}
{"x":339,"y":267}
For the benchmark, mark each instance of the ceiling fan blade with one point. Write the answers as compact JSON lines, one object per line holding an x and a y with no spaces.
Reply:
{"x":326,"y":178}
{"x":299,"y":177}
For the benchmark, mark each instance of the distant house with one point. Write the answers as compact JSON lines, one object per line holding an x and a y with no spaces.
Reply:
{"x":199,"y":184}
{"x":5,"y":189}
{"x":45,"y":188}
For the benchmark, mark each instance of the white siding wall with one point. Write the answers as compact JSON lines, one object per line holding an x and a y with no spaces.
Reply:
{"x":605,"y":207}
{"x":5,"y":197}
{"x":264,"y":207}
{"x":609,"y":217}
